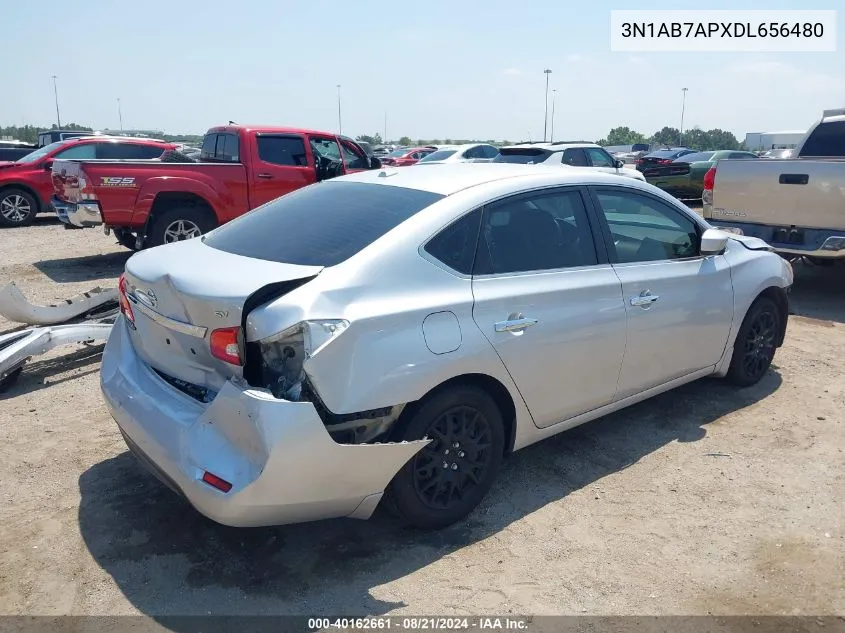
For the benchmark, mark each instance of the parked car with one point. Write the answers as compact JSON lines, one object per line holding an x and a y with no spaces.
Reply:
{"x":662,"y":157}
{"x":684,"y":176}
{"x":572,"y":154}
{"x":404,"y":156}
{"x":796,"y":204}
{"x":26,"y":186}
{"x":240,"y":168}
{"x":53,"y":136}
{"x":11,"y":151}
{"x":461,"y":153}
{"x":400,"y":335}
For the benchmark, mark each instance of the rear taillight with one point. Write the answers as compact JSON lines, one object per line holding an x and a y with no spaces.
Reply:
{"x":710,"y":179}
{"x":125,"y":306}
{"x":226,"y":345}
{"x":213,"y":480}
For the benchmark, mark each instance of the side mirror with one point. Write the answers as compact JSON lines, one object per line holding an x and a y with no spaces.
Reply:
{"x":48,"y":165}
{"x":713,"y":242}
{"x":375,"y":163}
{"x":619,"y":163}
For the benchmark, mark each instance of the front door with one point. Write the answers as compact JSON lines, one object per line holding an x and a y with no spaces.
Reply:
{"x":548,"y":304}
{"x":601,"y":160}
{"x":679,"y":304}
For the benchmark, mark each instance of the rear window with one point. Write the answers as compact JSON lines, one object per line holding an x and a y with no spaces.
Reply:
{"x":694,"y":157}
{"x":440,"y":154}
{"x":128,"y":151}
{"x":220,"y":148}
{"x":521,"y":155}
{"x":828,"y":139}
{"x":320,"y":225}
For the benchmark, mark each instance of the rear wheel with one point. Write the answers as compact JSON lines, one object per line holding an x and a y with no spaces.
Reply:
{"x":754,"y":348}
{"x":448,"y":478}
{"x":180,"y":224}
{"x":17,"y":207}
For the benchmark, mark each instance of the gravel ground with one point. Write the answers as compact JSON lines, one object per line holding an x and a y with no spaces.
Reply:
{"x":704,"y":500}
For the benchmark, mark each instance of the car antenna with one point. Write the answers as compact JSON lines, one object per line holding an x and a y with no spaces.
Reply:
{"x":232,"y":123}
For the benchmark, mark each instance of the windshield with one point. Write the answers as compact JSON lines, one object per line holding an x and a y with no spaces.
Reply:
{"x":322,"y":224}
{"x":438,"y":155}
{"x":695,"y":157}
{"x":398,"y":152}
{"x":41,"y":152}
{"x":521,"y":155}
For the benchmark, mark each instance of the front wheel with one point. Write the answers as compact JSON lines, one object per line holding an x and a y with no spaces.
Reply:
{"x":754,"y":348}
{"x":180,"y":224}
{"x":447,"y":479}
{"x":17,"y":207}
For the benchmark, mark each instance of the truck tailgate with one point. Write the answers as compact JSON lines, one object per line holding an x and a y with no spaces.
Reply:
{"x":777,"y":192}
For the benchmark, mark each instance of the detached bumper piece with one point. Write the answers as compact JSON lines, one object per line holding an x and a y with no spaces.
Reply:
{"x":81,"y":215}
{"x":15,"y":307}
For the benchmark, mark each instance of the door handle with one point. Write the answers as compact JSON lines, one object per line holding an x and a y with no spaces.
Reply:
{"x":265,"y":176}
{"x":515,"y":323}
{"x":644,"y":299}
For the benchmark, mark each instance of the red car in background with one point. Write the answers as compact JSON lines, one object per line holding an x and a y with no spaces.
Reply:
{"x":405,"y":156}
{"x":26,"y":185}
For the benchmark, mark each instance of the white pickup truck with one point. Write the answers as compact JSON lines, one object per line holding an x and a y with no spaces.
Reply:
{"x":797,"y":205}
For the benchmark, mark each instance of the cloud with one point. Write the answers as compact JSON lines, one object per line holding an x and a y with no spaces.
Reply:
{"x":512,"y":72}
{"x":575,"y":58}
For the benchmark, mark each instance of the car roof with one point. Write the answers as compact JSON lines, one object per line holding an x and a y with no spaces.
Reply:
{"x":552,"y":147}
{"x":103,"y":138}
{"x":268,"y":129}
{"x":449,"y":178}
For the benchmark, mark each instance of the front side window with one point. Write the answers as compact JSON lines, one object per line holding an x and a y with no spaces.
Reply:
{"x":352,"y":158}
{"x":455,"y":245}
{"x":489,"y":151}
{"x":537,"y":232}
{"x":575,"y":157}
{"x":599,"y":157}
{"x":288,"y":151}
{"x":326,"y":147}
{"x":87,"y":151}
{"x":644,"y":229}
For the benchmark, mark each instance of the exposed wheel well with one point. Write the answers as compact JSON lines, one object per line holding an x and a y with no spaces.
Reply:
{"x":778,"y":295}
{"x":29,"y":190}
{"x":495,"y":389}
{"x":174,"y":199}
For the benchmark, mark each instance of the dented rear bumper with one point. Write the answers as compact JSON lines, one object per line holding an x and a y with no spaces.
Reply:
{"x":282,"y":464}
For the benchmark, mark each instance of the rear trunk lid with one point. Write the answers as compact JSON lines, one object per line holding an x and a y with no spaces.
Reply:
{"x":180,"y":293}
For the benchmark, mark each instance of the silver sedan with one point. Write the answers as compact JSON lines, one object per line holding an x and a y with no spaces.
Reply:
{"x":396,"y":333}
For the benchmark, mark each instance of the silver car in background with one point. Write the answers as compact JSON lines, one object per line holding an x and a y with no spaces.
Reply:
{"x":397,"y":332}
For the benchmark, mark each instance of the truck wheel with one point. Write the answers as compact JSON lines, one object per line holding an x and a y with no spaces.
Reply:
{"x":17,"y":207}
{"x":179,"y":224}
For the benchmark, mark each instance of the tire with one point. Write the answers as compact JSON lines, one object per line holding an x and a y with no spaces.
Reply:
{"x":126,"y":238}
{"x":195,"y":220}
{"x":468,"y":437}
{"x":17,"y":207}
{"x":755,"y":343}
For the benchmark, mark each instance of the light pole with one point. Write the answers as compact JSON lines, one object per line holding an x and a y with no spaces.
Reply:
{"x":547,"y":72}
{"x":384,"y":140}
{"x":119,"y":114}
{"x":339,"y":123}
{"x":683,"y":105}
{"x":552,"y":131}
{"x":56,"y":93}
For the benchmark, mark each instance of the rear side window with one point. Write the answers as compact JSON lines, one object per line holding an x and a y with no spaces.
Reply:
{"x":455,"y":245}
{"x":322,"y":224}
{"x":828,"y":139}
{"x":576,"y":157}
{"x":220,"y":148}
{"x":288,"y":151}
{"x":128,"y":151}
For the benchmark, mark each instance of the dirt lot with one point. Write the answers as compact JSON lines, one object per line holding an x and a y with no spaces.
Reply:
{"x":704,"y":500}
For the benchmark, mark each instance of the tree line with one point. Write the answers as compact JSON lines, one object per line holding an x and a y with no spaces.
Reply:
{"x":29,"y":133}
{"x":695,"y":138}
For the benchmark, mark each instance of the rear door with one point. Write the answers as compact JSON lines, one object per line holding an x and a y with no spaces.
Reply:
{"x":280,"y":166}
{"x":679,"y":304}
{"x":549,"y":303}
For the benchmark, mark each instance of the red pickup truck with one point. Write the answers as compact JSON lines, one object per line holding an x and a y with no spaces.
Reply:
{"x":239,"y":168}
{"x":25,"y":184}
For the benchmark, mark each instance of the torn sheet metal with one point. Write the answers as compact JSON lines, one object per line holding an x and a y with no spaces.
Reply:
{"x":15,"y":307}
{"x":18,"y":347}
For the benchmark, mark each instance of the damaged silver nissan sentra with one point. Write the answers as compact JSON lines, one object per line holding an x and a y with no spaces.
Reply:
{"x":398,"y":332}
